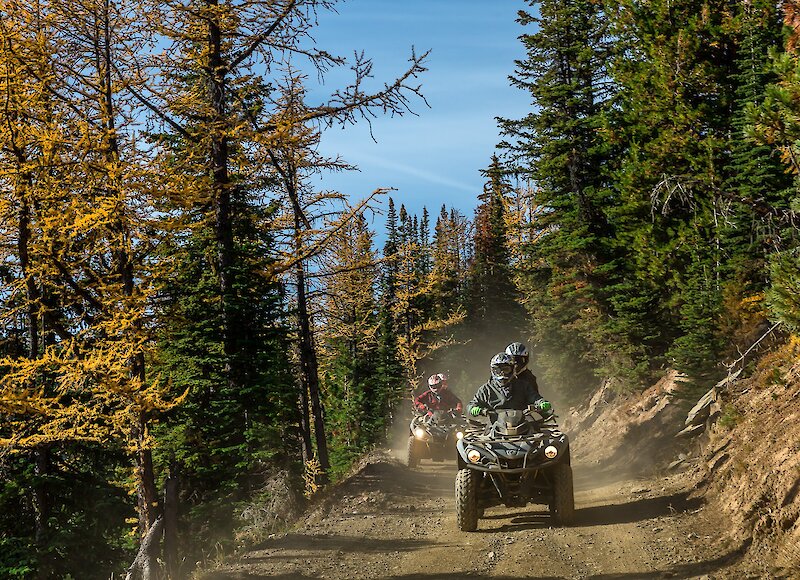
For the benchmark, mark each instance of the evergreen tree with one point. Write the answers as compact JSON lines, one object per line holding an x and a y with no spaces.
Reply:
{"x":557,"y":146}
{"x":425,"y":243}
{"x":674,"y":68}
{"x":414,"y":323}
{"x":389,"y":371}
{"x":776,"y":124}
{"x":357,"y":400}
{"x":756,"y":182}
{"x":491,"y":294}
{"x":784,"y":294}
{"x":220,"y":440}
{"x":447,"y":263}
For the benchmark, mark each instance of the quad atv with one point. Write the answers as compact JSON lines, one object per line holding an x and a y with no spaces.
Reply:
{"x":515,"y":458}
{"x":434,"y":436}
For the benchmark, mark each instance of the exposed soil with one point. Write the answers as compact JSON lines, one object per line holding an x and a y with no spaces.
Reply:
{"x":389,"y":521}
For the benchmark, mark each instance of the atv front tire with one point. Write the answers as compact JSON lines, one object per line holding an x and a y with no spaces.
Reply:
{"x":562,"y":508}
{"x":412,"y":457}
{"x":467,"y":481}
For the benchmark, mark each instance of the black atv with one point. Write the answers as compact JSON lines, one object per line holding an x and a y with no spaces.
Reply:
{"x":434,"y":436}
{"x":516,"y":458}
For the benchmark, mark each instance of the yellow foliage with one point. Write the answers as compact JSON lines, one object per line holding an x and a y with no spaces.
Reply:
{"x":782,"y":364}
{"x":311,"y":476}
{"x":74,"y":213}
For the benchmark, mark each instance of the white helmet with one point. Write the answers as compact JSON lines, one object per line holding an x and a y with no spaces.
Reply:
{"x":519,"y":352}
{"x":502,"y":367}
{"x":435,"y":382}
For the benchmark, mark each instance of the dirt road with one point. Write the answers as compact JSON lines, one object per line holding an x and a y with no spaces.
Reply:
{"x":389,"y":521}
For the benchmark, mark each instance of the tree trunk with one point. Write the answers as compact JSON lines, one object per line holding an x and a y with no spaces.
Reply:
{"x":308,"y":356}
{"x":305,"y":421}
{"x":171,"y":523}
{"x":146,"y":494}
{"x":41,"y":511}
{"x":32,"y":292}
{"x":41,"y":499}
{"x":145,"y":565}
{"x":309,"y":369}
{"x":221,"y":188}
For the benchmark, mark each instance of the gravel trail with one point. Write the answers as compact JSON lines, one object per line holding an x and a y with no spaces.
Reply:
{"x":389,"y":521}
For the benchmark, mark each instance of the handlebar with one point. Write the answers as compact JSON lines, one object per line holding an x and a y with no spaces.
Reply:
{"x":452,"y":413}
{"x":491,"y":414}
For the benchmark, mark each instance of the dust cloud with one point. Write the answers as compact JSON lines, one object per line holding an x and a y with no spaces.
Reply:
{"x":467,"y":366}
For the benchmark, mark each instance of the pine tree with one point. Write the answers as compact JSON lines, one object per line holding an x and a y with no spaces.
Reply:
{"x":674,"y":68}
{"x":558,"y":148}
{"x":389,"y":372}
{"x":357,"y":404}
{"x":491,"y":294}
{"x":448,"y":265}
{"x":413,"y":323}
{"x":784,"y":294}
{"x":230,"y":112}
{"x":756,"y":183}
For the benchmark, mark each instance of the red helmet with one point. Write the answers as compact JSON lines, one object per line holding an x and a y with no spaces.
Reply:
{"x":435,"y":382}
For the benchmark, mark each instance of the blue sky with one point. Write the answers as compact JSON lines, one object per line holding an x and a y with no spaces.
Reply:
{"x":435,"y":157}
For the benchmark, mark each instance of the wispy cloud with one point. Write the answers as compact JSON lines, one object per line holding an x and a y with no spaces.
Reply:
{"x":406,"y":169}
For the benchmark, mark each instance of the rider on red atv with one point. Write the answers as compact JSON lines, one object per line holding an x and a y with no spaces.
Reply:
{"x":438,"y":397}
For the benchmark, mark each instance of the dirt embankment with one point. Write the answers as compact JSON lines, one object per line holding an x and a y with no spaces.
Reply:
{"x":633,"y":433}
{"x":750,"y":468}
{"x":743,"y":464}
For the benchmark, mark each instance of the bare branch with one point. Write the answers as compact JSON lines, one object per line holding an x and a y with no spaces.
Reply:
{"x":159,"y":113}
{"x":320,"y":244}
{"x":347,"y":105}
{"x":256,"y":42}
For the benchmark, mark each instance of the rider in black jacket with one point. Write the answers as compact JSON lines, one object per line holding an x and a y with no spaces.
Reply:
{"x":519,"y":352}
{"x":512,"y":386}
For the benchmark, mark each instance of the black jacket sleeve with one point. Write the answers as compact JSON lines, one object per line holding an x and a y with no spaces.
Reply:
{"x":481,"y":398}
{"x":531,"y":387}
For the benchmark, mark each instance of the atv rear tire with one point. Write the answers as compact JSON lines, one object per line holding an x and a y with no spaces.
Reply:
{"x":562,"y":508}
{"x":412,"y":457}
{"x":467,"y":481}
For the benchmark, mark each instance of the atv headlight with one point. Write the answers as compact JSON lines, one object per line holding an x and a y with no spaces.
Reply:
{"x":419,"y":432}
{"x":459,"y":435}
{"x":474,"y":455}
{"x":550,"y":451}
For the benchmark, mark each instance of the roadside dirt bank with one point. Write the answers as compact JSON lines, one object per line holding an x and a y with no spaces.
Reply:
{"x":388,"y":521}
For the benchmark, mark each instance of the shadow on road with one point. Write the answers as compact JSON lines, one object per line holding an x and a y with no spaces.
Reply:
{"x":688,"y":570}
{"x":435,"y":479}
{"x":614,"y":513}
{"x":637,"y":510}
{"x":318,"y":543}
{"x":528,"y":520}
